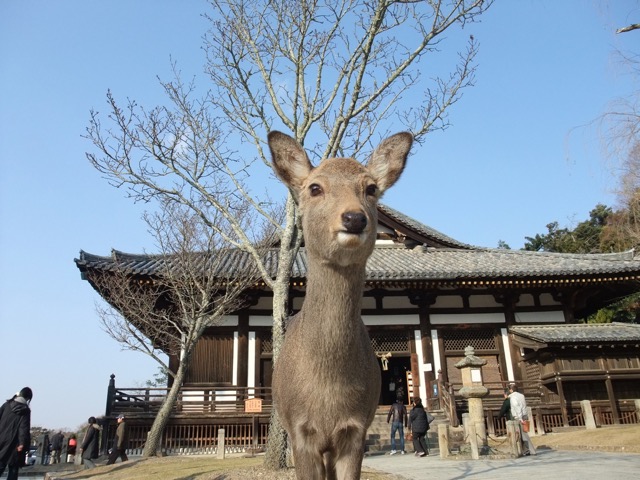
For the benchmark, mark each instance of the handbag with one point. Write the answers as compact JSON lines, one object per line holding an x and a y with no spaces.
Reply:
{"x":409,"y":436}
{"x":525,"y":426}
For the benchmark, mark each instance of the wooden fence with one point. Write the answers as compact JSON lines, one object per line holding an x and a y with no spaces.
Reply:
{"x":241,"y":435}
{"x":200,"y":412}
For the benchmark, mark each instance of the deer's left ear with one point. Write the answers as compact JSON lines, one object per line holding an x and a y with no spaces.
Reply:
{"x":290,"y":162}
{"x":388,"y":160}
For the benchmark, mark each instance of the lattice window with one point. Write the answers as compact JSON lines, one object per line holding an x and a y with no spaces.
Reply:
{"x":532,"y":371}
{"x":266,"y":345}
{"x":479,"y":339}
{"x":390,"y":342}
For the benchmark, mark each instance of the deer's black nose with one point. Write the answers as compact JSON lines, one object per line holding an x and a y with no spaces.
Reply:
{"x":354,"y":222}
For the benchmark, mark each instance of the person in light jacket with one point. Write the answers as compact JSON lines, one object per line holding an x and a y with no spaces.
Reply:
{"x":519,"y":413}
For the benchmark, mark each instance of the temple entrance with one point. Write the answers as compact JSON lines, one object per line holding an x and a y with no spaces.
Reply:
{"x":394,"y":379}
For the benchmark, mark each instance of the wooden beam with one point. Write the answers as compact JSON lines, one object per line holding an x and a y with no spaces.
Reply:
{"x":612,"y":400}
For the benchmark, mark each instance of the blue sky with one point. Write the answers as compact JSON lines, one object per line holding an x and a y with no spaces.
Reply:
{"x":517,"y":156}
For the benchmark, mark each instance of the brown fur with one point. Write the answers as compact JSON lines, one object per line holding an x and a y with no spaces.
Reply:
{"x":326,"y":382}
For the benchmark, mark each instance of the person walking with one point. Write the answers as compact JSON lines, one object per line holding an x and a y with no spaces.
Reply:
{"x":519,"y":413}
{"x":90,"y":448}
{"x":15,"y":432}
{"x":119,"y":442}
{"x":398,"y":415}
{"x":57,"y":441}
{"x":419,"y":426}
{"x":71,"y":448}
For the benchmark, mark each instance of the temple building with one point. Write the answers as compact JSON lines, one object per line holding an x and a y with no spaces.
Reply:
{"x":427,"y":297}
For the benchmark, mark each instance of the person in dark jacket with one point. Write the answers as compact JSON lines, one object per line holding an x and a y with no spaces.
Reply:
{"x":119,"y":442}
{"x":90,"y":448}
{"x":15,"y":432}
{"x":419,"y":426}
{"x":398,"y":415}
{"x":57,"y":441}
{"x":505,"y":410}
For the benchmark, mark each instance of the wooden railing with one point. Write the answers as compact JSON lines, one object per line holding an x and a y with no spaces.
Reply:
{"x":204,"y":400}
{"x":448,"y":401}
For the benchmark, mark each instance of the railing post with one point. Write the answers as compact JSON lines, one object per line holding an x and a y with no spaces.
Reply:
{"x":453,"y":414}
{"x":587,"y":414}
{"x":221,"y":452}
{"x":443,"y":440}
{"x":111,"y":395}
{"x":256,"y":434}
{"x":539,"y":422}
{"x":491,"y":428}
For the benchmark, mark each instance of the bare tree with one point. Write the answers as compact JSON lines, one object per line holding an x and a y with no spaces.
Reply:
{"x":620,"y":133}
{"x":167,"y":311}
{"x":334,"y":73}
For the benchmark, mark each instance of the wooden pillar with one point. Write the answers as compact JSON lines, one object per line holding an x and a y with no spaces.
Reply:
{"x":243,"y":348}
{"x":563,"y":403}
{"x":612,"y":400}
{"x":111,"y":395}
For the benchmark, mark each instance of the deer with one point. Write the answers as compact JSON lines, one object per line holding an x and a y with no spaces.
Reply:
{"x":326,"y":379}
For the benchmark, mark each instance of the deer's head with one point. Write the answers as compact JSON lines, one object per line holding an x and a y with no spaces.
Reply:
{"x":337,"y":199}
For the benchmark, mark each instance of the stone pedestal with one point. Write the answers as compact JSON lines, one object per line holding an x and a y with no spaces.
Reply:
{"x":473,"y":390}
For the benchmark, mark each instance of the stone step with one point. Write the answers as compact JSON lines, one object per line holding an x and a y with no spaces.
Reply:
{"x":378,"y":435}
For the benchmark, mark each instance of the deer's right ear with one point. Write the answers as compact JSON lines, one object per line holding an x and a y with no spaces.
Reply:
{"x":290,"y":162}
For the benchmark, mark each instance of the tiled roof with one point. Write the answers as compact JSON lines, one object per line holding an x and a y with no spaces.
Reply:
{"x":397,"y":263}
{"x":420,"y":228}
{"x":454,"y":264}
{"x":582,"y":333}
{"x":449,"y":261}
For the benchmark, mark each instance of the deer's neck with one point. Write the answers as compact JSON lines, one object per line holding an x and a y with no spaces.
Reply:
{"x":334,"y":296}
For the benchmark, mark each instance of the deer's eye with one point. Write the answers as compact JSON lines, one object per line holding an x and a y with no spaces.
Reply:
{"x":372,"y":189}
{"x":315,"y":190}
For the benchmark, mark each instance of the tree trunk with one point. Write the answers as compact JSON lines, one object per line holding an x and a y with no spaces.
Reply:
{"x":276,"y":454}
{"x":154,"y":437}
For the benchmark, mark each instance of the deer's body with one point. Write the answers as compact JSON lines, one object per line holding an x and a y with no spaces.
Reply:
{"x":326,"y":383}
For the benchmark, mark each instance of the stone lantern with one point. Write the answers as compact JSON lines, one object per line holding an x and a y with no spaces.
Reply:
{"x":473,"y":390}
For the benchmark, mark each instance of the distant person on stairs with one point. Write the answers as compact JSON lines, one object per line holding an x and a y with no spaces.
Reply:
{"x":398,"y":415}
{"x":419,"y":426}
